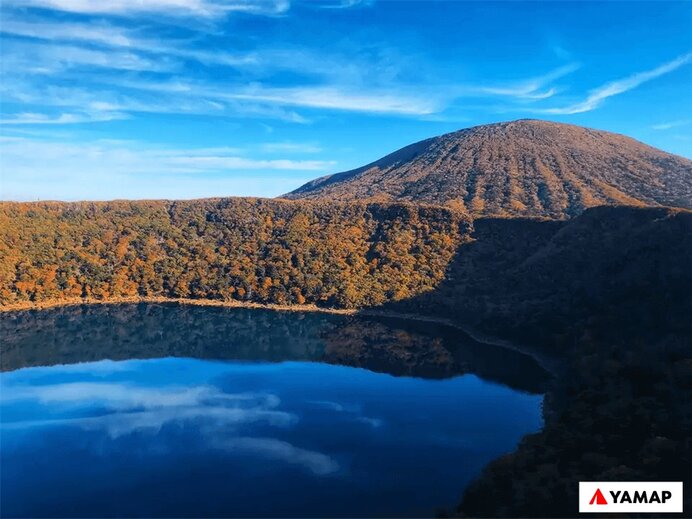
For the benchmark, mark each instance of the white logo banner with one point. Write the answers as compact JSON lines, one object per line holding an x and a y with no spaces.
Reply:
{"x":630,"y":496}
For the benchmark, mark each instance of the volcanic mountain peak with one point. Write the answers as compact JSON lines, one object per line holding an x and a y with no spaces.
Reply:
{"x":519,"y":168}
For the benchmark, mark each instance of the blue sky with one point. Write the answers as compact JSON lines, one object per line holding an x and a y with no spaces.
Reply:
{"x":193,"y":98}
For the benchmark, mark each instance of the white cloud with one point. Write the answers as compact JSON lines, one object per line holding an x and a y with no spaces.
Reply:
{"x":105,"y":68}
{"x":670,"y":124}
{"x":532,"y":88}
{"x":335,"y":98}
{"x":134,"y":158}
{"x":345,"y":4}
{"x":540,"y":95}
{"x":290,"y":147}
{"x":131,"y":408}
{"x":192,"y":163}
{"x":354,"y":412}
{"x":63,"y":53}
{"x":153,"y":420}
{"x":375,"y":423}
{"x":55,"y":169}
{"x":120,"y":396}
{"x":108,"y":35}
{"x":199,"y":8}
{"x":177,"y":96}
{"x":40,"y":59}
{"x":116,"y":395}
{"x":343,"y":98}
{"x":329,"y":404}
{"x":152,"y":97}
{"x":94,"y":32}
{"x":134,"y":408}
{"x":620,"y":86}
{"x":63,"y":118}
{"x":274,"y":449}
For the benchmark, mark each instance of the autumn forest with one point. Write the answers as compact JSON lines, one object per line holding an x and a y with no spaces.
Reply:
{"x":254,"y":250}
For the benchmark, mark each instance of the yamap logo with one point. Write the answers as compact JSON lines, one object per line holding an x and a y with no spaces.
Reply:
{"x":629,"y":496}
{"x":598,"y":498}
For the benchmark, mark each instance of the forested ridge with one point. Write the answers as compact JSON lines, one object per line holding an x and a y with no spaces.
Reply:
{"x":248,"y":250}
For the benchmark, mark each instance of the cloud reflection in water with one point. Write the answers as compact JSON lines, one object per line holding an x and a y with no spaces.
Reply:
{"x":126,"y":408}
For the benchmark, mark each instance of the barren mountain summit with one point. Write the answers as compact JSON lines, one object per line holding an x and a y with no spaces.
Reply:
{"x":518,"y":168}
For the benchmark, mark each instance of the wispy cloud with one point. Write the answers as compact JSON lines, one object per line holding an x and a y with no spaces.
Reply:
{"x":132,"y":409}
{"x":31,"y":118}
{"x":671,"y":124}
{"x":116,"y":61}
{"x":279,"y":450}
{"x":133,"y":97}
{"x":101,"y":34}
{"x":64,"y":67}
{"x":334,"y":98}
{"x":107,"y":169}
{"x":77,"y":66}
{"x":534,"y":88}
{"x":114,"y":395}
{"x":96,"y":32}
{"x":353,"y":412}
{"x":202,"y":8}
{"x":231,"y":98}
{"x":134,"y":158}
{"x":352,"y":98}
{"x":37,"y":58}
{"x":345,"y":4}
{"x":620,"y":86}
{"x":290,"y":147}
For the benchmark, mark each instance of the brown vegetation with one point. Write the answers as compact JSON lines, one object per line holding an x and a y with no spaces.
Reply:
{"x":519,"y":168}
{"x":248,"y":250}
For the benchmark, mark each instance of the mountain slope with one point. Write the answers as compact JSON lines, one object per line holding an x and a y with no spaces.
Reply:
{"x":519,"y":168}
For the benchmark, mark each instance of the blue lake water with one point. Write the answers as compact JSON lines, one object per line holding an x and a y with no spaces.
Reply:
{"x":177,"y":431}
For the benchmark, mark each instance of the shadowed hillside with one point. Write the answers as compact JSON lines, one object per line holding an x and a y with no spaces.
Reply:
{"x":537,"y":280}
{"x":608,"y":296}
{"x":520,"y":168}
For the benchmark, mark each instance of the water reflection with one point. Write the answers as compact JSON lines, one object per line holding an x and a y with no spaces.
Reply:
{"x":185,"y":437}
{"x":178,"y":411}
{"x":89,"y":333}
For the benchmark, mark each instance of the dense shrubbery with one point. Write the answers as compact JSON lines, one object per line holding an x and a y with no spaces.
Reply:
{"x":255,"y":250}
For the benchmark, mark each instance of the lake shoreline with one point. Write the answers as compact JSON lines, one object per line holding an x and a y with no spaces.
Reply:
{"x":477,"y":336}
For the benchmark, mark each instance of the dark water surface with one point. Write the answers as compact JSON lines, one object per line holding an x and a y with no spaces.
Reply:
{"x":167,"y":410}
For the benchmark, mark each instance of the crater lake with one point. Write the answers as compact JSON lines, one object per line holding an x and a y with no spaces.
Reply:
{"x":166,"y":410}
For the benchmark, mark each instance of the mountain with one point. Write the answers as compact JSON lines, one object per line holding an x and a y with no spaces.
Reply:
{"x":519,"y":168}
